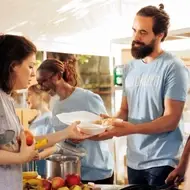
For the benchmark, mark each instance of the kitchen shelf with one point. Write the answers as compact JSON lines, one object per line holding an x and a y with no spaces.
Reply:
{"x":102,"y":92}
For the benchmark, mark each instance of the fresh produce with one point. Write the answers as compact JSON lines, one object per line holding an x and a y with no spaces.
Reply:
{"x":35,"y":182}
{"x":75,"y":187}
{"x":39,"y":144}
{"x":30,"y":140}
{"x":29,"y":175}
{"x":57,"y":182}
{"x":29,"y":137}
{"x":31,"y":181}
{"x":73,"y":179}
{"x":46,"y":184}
{"x":86,"y":187}
{"x":63,"y":188}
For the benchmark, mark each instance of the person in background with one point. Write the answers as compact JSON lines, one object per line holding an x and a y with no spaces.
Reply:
{"x":187,"y":175}
{"x":155,"y":86}
{"x":61,"y":57}
{"x":40,"y":125}
{"x":179,"y":172}
{"x":17,"y":58}
{"x":60,"y":78}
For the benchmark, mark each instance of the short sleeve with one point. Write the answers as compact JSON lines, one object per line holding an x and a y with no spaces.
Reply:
{"x":123,"y":81}
{"x":176,"y":83}
{"x":125,"y":71}
{"x":3,"y":123}
{"x":4,"y":114}
{"x":95,"y":103}
{"x":8,"y":118}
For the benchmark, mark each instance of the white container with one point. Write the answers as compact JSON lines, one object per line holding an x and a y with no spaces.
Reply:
{"x":82,"y":116}
{"x":91,"y":129}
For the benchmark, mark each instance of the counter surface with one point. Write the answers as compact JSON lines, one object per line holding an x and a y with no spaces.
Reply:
{"x":109,"y":187}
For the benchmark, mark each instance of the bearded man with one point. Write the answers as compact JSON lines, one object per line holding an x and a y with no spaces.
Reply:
{"x":154,"y":91}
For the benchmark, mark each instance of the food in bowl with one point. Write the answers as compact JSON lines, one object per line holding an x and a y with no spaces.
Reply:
{"x":106,"y":122}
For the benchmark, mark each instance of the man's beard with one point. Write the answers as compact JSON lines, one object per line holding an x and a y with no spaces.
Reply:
{"x":143,"y":50}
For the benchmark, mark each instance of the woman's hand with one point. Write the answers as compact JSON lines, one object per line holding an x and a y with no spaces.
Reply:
{"x":74,"y":132}
{"x":27,"y":153}
{"x":37,"y":157}
{"x":46,"y":153}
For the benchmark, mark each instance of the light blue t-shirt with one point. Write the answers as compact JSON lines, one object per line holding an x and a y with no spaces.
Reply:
{"x":146,"y":86}
{"x":41,"y":126}
{"x":98,"y":164}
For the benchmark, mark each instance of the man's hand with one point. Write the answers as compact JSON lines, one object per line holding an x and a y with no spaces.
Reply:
{"x":104,"y":116}
{"x":176,"y":175}
{"x":119,"y":128}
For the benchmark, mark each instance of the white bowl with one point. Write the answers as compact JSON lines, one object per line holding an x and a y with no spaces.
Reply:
{"x":91,"y":129}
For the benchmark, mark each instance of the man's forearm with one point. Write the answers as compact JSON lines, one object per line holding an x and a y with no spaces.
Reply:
{"x":161,"y":125}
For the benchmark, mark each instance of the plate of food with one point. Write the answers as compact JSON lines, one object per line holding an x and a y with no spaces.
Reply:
{"x":97,"y":127}
{"x":90,"y":123}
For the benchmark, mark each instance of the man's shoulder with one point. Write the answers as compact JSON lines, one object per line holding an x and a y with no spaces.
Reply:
{"x":126,"y":67}
{"x":132,"y":61}
{"x":173,"y":59}
{"x":172,"y":64}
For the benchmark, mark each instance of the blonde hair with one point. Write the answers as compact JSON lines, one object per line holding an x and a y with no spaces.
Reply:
{"x":44,"y":95}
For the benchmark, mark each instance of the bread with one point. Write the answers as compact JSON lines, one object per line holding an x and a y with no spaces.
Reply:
{"x":98,"y":122}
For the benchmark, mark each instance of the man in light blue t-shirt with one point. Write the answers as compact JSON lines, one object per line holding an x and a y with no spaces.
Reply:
{"x":154,"y":92}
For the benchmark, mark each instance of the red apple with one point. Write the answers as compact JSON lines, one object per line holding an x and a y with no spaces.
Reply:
{"x":46,"y":184}
{"x":57,"y":182}
{"x":73,"y":179}
{"x":29,"y":138}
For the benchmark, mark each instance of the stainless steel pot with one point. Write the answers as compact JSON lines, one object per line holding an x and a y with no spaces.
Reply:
{"x":58,"y":165}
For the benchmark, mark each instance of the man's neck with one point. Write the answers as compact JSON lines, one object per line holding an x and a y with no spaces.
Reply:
{"x":157,"y":52}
